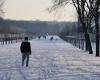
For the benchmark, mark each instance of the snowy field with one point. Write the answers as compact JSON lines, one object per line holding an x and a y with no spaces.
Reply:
{"x":50,"y":60}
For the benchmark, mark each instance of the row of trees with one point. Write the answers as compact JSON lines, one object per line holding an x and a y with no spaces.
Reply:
{"x":88,"y":11}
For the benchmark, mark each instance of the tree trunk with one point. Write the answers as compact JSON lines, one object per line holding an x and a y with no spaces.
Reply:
{"x":87,"y":40}
{"x":97,"y":36}
{"x":88,"y":43}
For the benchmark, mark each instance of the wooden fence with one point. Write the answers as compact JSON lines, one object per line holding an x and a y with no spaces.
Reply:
{"x":10,"y":40}
{"x":4,"y":40}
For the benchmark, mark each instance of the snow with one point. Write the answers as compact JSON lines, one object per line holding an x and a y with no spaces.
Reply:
{"x":93,"y":46}
{"x":50,"y":60}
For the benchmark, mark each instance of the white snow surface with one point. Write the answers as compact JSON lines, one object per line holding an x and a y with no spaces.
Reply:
{"x":50,"y":60}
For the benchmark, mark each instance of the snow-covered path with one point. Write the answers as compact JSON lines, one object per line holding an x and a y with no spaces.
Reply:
{"x":50,"y":60}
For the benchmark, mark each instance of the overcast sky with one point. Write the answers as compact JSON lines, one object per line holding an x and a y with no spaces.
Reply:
{"x":35,"y":9}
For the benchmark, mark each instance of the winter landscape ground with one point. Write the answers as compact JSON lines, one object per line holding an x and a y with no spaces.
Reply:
{"x":50,"y":60}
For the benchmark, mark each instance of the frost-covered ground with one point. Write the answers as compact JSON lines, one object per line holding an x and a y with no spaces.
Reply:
{"x":50,"y":60}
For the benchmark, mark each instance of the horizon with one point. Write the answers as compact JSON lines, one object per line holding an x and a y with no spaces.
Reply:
{"x":41,"y":20}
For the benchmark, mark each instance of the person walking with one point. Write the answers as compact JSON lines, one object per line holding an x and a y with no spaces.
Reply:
{"x":26,"y":51}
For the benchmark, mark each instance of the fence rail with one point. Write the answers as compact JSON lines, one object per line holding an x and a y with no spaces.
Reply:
{"x":10,"y":40}
{"x":78,"y":42}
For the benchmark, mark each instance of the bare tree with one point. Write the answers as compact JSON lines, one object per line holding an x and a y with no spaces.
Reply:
{"x":1,"y":7}
{"x":96,"y":18}
{"x":94,"y":8}
{"x":84,"y":16}
{"x":2,"y":23}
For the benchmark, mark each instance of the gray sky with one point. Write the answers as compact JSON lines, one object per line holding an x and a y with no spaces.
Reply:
{"x":35,"y":9}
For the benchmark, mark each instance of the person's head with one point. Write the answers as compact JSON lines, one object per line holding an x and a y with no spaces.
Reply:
{"x":26,"y":38}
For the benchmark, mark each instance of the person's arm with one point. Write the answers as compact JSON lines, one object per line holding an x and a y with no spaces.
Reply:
{"x":30,"y":48}
{"x":21,"y":47}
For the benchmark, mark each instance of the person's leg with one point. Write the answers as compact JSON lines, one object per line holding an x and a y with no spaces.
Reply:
{"x":23,"y":59}
{"x":27,"y":61}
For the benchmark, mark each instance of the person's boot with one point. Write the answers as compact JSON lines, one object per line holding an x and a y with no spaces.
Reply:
{"x":26,"y":65}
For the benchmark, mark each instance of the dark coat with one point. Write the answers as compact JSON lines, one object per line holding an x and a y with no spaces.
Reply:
{"x":25,"y":47}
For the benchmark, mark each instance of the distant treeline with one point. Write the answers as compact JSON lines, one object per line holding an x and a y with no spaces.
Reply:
{"x":36,"y":27}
